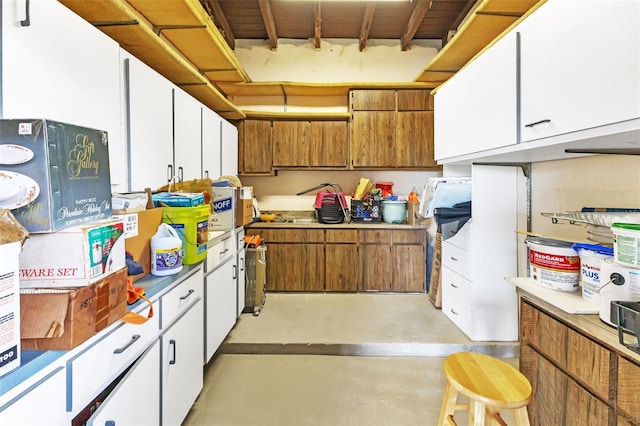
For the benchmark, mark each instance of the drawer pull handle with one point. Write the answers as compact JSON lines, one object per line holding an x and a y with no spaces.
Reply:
{"x":455,"y":259}
{"x":235,"y":272}
{"x":454,"y":312}
{"x":27,"y":19}
{"x":453,"y":285}
{"x":172,"y":342}
{"x":189,"y":293}
{"x":242,"y":264}
{"x":129,"y":343}
{"x":546,"y":120}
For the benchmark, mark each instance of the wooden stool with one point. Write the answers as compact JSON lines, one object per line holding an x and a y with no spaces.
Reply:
{"x":491,"y":385}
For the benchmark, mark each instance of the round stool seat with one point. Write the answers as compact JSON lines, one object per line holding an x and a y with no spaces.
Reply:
{"x":490,"y":384}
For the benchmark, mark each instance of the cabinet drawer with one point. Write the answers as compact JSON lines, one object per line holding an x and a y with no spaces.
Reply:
{"x":536,"y":327}
{"x":92,"y":369}
{"x":181,"y":297}
{"x":456,"y":259}
{"x":373,"y":100}
{"x":588,"y":363}
{"x":375,"y":236}
{"x":460,"y":238}
{"x":292,"y":235}
{"x":341,"y":236}
{"x":455,"y":299}
{"x":414,"y":236}
{"x":220,"y":252}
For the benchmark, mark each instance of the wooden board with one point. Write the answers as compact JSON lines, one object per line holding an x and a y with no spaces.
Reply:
{"x":435,"y":281}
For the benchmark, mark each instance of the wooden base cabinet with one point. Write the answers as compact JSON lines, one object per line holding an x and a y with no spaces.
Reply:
{"x":576,"y":380}
{"x":341,"y":271}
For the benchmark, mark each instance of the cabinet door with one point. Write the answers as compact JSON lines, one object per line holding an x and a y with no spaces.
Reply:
{"x":373,"y":137}
{"x":559,"y":65}
{"x":48,"y":395}
{"x":329,"y":144}
{"x":414,"y":139}
{"x":182,"y":376}
{"x":211,"y":144}
{"x":229,"y":165}
{"x":42,"y":78}
{"x":476,"y":109}
{"x":628,"y":389}
{"x":549,"y":387}
{"x":291,"y":143}
{"x":373,"y":100}
{"x":409,"y":268}
{"x":221,"y":305}
{"x":240,"y":271}
{"x":150,"y":126}
{"x":140,"y":387}
{"x":187,"y":140}
{"x":375,"y":267}
{"x":341,"y":267}
{"x":256,"y":146}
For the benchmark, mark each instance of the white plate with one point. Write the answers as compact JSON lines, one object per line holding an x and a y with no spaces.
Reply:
{"x":27,"y":190}
{"x":14,"y":154}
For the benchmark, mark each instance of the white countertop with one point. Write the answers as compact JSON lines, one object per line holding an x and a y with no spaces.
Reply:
{"x":570,"y":302}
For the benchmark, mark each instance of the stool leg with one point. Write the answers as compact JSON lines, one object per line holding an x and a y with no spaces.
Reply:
{"x":521,"y":416}
{"x":448,"y":404}
{"x":476,"y":413}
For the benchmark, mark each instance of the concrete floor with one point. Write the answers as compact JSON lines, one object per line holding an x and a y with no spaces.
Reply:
{"x":335,"y":359}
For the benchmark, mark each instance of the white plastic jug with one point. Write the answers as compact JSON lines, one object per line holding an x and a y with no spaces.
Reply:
{"x":166,"y":251}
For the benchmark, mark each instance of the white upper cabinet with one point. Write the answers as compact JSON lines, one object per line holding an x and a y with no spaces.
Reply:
{"x":60,"y":67}
{"x":150,"y":126}
{"x":229,"y":149}
{"x":476,"y":109}
{"x":211,"y":149}
{"x":187,"y":142}
{"x":580,"y":66}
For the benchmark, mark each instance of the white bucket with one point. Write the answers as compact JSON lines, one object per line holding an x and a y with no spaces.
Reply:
{"x":590,"y":271}
{"x":619,"y":282}
{"x":553,"y":264}
{"x":626,"y":244}
{"x":166,"y":251}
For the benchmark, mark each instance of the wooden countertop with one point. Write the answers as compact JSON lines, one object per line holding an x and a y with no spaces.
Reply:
{"x":588,"y":324}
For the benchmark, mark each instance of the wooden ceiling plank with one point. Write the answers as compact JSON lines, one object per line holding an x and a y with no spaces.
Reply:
{"x":269,"y":23}
{"x":366,"y":25}
{"x":215,"y":11}
{"x":419,"y":11}
{"x":317,"y":31}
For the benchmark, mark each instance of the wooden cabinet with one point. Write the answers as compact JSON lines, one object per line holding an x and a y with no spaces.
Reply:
{"x":255,"y":154}
{"x":392,"y":136}
{"x":329,"y":144}
{"x":409,"y":261}
{"x":291,"y":143}
{"x":558,"y":66}
{"x":341,"y":260}
{"x":576,"y":379}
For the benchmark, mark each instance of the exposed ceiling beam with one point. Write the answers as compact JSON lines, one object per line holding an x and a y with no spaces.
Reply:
{"x":267,"y":16}
{"x":317,"y":32}
{"x":366,"y":24}
{"x":419,"y":11}
{"x":215,"y":11}
{"x":456,"y":23}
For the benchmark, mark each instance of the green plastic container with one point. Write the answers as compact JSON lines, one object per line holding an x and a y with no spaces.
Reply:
{"x":626,"y":244}
{"x":192,"y":226}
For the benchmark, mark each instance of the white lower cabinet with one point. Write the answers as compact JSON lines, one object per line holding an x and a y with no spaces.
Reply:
{"x":47,"y":395}
{"x":182,"y":375}
{"x":221,"y":305}
{"x":240,"y":267}
{"x":135,"y":400}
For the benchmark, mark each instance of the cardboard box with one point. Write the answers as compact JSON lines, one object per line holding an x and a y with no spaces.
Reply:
{"x":224,"y":201}
{"x":244,"y":206}
{"x":56,"y":318}
{"x":58,"y":174}
{"x":139,"y":227}
{"x":73,"y":257}
{"x":111,"y":293}
{"x":63,"y":318}
{"x":10,"y":307}
{"x":435,"y":287}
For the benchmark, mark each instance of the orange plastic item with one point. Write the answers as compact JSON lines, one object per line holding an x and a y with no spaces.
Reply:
{"x":252,"y":241}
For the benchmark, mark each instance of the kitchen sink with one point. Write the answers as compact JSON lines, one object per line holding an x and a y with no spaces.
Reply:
{"x":301,"y":220}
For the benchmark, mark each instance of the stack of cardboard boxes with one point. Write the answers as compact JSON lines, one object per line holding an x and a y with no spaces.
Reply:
{"x":72,"y":275}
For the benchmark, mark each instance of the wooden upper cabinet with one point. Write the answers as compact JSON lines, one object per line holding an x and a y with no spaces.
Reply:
{"x":373,"y":136}
{"x":291,"y":143}
{"x":414,"y":139}
{"x":415,"y":100}
{"x":373,"y":100}
{"x":329,"y":145}
{"x":255,"y":150}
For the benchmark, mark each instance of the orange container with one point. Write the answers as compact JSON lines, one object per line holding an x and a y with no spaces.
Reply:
{"x":386,"y":188}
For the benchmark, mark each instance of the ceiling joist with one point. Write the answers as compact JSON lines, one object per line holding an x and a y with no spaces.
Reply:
{"x":419,"y":11}
{"x":366,"y":25}
{"x":213,"y":9}
{"x":317,"y":31}
{"x":269,"y":23}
